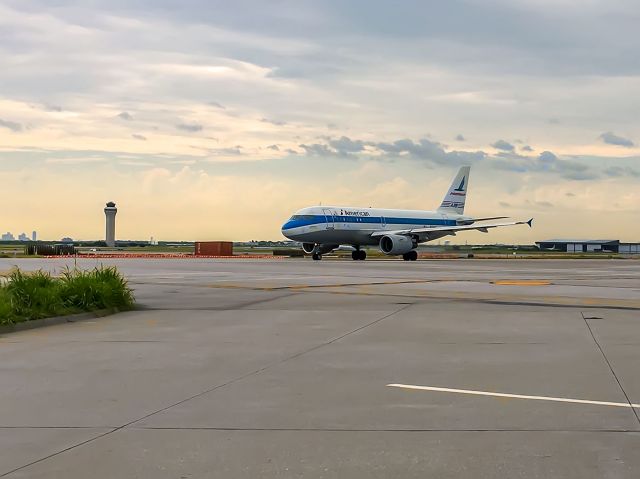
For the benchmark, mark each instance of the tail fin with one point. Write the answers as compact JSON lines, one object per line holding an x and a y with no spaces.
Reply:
{"x":454,"y":199}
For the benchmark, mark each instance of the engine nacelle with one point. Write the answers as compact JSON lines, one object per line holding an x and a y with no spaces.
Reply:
{"x":310,"y":248}
{"x":396,"y":244}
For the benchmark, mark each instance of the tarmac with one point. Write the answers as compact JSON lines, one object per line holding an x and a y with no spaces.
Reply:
{"x":334,"y":369}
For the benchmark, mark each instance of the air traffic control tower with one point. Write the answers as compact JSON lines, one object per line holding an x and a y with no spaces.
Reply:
{"x":110,"y":212}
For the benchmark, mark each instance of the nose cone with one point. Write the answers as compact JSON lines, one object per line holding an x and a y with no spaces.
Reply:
{"x":285,"y":227}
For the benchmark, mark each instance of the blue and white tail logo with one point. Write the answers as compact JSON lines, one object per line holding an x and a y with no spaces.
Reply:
{"x":453,"y":202}
{"x":459,"y":191}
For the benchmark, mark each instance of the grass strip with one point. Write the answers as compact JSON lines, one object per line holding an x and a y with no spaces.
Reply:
{"x":29,"y":296}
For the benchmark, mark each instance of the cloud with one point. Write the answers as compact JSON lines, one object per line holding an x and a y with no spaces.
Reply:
{"x":612,"y":139}
{"x":53,"y":108}
{"x":125,"y":116}
{"x":545,"y":162}
{"x":460,"y":138}
{"x":345,"y":146}
{"x":74,"y":160}
{"x":495,"y":69}
{"x":503,"y":145}
{"x":273,"y":122}
{"x":190,"y":127}
{"x":422,"y":150}
{"x":136,"y":163}
{"x":273,"y":147}
{"x":619,"y":171}
{"x":547,"y":158}
{"x":139,"y":137}
{"x":317,"y":149}
{"x":526,"y":148}
{"x":428,"y":150}
{"x":11,"y":125}
{"x":228,"y":151}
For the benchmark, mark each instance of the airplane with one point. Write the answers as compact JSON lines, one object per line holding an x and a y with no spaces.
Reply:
{"x":322,"y":229}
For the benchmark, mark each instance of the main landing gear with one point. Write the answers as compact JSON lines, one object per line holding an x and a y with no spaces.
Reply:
{"x":358,"y":254}
{"x":410,"y":256}
{"x":316,"y":256}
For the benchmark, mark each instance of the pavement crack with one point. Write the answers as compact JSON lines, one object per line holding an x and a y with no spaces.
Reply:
{"x":57,"y":427}
{"x":375,"y":429}
{"x":595,"y":340}
{"x":82,"y":443}
{"x":264,"y":300}
{"x":244,"y":376}
{"x":268,"y":366}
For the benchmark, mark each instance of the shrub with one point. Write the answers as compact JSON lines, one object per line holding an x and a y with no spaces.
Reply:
{"x":6,"y":312}
{"x":34,"y":296}
{"x":100,"y":288}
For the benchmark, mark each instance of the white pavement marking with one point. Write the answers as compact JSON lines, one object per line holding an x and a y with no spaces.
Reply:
{"x":514,"y":396}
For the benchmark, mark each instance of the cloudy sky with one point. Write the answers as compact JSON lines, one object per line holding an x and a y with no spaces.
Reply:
{"x":211,"y":119}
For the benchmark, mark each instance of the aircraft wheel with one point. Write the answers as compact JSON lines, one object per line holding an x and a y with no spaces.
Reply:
{"x":410,"y":256}
{"x":316,"y":257}
{"x":355,"y":255}
{"x":362,"y":255}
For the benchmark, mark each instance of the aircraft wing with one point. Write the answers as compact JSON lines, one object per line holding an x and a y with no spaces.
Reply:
{"x":424,"y":232}
{"x":491,"y":218}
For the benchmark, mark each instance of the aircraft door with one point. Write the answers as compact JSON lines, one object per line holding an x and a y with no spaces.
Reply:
{"x":329,"y":218}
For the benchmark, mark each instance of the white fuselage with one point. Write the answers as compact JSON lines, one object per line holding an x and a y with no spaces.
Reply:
{"x":353,"y":226}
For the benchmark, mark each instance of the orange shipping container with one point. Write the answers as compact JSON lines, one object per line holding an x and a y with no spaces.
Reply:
{"x":214,"y":248}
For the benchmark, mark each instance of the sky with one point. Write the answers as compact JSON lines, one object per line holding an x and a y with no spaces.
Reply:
{"x":208,"y":120}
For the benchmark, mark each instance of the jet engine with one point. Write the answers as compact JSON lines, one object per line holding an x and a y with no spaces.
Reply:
{"x":396,"y":244}
{"x":310,"y":248}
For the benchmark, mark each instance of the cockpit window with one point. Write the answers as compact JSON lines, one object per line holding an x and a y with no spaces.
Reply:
{"x":301,"y":217}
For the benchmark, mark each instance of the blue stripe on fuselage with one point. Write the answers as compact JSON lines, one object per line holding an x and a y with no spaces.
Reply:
{"x":376,"y":220}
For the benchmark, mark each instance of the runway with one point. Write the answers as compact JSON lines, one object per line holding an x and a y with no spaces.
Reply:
{"x":334,"y":369}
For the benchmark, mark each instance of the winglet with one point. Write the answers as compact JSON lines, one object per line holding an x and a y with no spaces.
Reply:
{"x":530,"y":223}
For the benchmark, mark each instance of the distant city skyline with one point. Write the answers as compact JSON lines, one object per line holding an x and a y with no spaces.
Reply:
{"x":9,"y":236}
{"x":218,"y":120}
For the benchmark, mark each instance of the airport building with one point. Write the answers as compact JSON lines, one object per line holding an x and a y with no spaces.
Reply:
{"x":589,"y":246}
{"x":110,"y":212}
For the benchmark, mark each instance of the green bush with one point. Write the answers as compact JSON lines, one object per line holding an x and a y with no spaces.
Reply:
{"x":99,"y":288}
{"x":27,"y":296}
{"x":6,"y":312}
